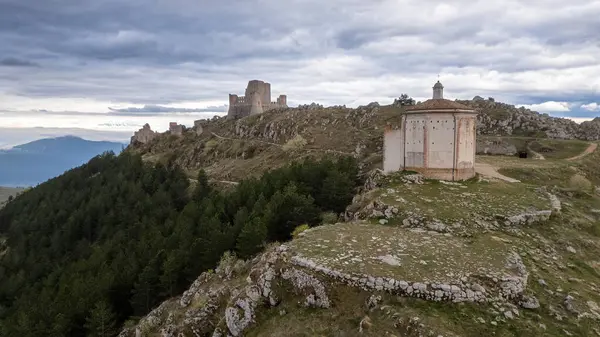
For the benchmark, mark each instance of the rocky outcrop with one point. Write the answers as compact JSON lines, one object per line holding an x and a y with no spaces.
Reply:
{"x":500,"y":119}
{"x":590,"y":130}
{"x":497,"y":146}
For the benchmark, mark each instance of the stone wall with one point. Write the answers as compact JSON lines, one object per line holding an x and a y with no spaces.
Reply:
{"x":143,"y":135}
{"x":176,"y":129}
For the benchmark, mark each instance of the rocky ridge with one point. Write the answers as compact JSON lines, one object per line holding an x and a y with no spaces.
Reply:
{"x":229,"y":149}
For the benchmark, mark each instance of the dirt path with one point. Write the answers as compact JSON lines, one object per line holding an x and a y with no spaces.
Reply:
{"x":591,"y":148}
{"x":537,"y":156}
{"x":488,"y":170}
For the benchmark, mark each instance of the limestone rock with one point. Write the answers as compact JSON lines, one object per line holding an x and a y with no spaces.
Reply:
{"x":529,"y":302}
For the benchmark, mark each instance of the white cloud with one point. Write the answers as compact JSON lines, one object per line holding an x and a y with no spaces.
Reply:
{"x":550,"y":106}
{"x":591,"y":106}
{"x":579,"y":120}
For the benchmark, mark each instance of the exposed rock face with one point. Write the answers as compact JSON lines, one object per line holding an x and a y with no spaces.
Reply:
{"x":590,"y":130}
{"x":144,"y":135}
{"x":499,"y":119}
{"x":496,"y":146}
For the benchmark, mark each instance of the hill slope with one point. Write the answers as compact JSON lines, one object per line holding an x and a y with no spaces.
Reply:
{"x":32,"y":163}
{"x":418,"y":258}
{"x":232,"y":149}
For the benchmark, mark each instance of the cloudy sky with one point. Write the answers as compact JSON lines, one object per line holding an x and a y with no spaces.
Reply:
{"x":106,"y":67}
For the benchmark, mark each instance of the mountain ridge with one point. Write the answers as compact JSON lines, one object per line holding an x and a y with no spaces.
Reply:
{"x":34,"y":162}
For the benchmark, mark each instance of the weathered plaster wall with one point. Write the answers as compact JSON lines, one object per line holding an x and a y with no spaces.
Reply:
{"x":440,"y":128}
{"x":415,"y":141}
{"x":431,"y":146}
{"x":393,"y":150}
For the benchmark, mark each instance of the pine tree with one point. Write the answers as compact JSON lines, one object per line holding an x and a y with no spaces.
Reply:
{"x":145,"y":289}
{"x":101,"y":321}
{"x":251,"y":238}
{"x":203,"y":188}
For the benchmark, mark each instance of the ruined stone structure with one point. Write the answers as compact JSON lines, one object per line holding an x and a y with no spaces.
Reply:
{"x":143,"y":135}
{"x":436,"y":138}
{"x":256,"y":100}
{"x":176,"y":129}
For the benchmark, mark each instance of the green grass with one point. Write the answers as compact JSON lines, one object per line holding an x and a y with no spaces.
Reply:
{"x":422,"y":257}
{"x":558,"y":149}
{"x":462,"y":202}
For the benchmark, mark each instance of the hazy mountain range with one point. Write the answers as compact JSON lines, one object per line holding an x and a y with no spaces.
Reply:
{"x":35,"y":162}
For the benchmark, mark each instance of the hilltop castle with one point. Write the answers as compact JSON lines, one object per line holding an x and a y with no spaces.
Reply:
{"x":435,"y":138}
{"x":256,"y":100}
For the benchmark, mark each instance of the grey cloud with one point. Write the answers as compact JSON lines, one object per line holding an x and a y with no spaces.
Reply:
{"x":163,"y":52}
{"x":163,"y":109}
{"x":15,"y":62}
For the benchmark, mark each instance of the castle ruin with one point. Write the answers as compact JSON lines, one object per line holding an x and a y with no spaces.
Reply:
{"x":256,"y":100}
{"x":143,"y":135}
{"x":176,"y":129}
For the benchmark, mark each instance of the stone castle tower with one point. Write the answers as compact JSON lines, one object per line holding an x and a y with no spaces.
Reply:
{"x":256,"y":100}
{"x":435,"y":138}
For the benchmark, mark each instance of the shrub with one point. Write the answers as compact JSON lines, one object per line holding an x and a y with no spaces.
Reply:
{"x":329,"y":218}
{"x":295,"y":143}
{"x":580,"y":183}
{"x":210,"y":145}
{"x":299,"y":230}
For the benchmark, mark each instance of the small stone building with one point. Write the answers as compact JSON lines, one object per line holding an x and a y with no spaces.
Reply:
{"x":436,"y":138}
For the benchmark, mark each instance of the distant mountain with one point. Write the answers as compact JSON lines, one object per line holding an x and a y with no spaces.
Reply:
{"x":35,"y":162}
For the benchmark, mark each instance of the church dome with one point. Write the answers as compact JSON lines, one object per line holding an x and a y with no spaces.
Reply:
{"x":438,"y":85}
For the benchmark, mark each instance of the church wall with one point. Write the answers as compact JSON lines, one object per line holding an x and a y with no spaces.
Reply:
{"x":465,"y":159}
{"x":431,"y":147}
{"x":415,"y":141}
{"x":393,"y":149}
{"x":440,"y":130}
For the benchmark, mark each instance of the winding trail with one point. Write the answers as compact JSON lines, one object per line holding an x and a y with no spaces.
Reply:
{"x":281,"y":146}
{"x":488,"y":170}
{"x":591,"y":148}
{"x":536,"y":155}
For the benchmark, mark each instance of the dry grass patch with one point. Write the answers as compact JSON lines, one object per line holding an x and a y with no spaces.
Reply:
{"x":403,"y":254}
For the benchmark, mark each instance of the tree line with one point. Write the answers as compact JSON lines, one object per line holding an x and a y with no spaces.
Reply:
{"x":113,"y":238}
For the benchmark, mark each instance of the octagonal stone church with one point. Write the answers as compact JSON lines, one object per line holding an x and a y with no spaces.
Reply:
{"x":435,"y":138}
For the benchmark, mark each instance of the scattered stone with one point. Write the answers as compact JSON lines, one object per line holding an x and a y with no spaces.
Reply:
{"x":390,"y":259}
{"x":373,"y":301}
{"x":542,"y":282}
{"x":571,"y":249}
{"x":508,"y":314}
{"x":364,"y":324}
{"x":383,"y":221}
{"x":530,"y":302}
